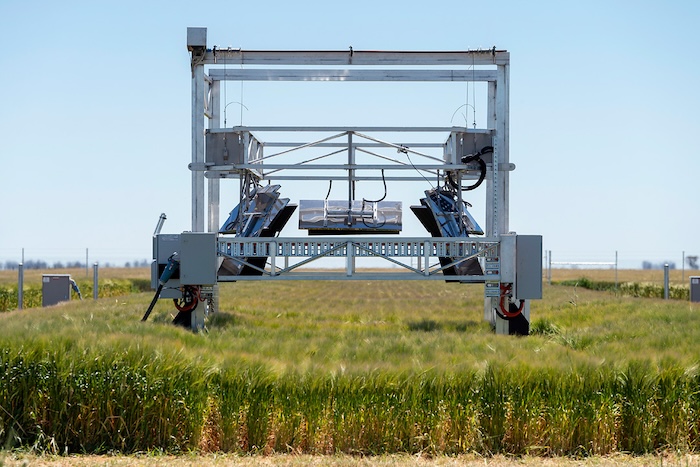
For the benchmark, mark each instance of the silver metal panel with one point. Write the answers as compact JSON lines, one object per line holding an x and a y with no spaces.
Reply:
{"x":198,"y":258}
{"x":358,"y":216}
{"x":507,"y":256}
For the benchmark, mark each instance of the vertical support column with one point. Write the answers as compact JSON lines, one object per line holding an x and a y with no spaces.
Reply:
{"x":351,"y":177}
{"x":273,"y":256}
{"x":213,"y":184}
{"x":95,"y":282}
{"x":426,"y":257}
{"x":666,"y":268}
{"x":491,"y":122}
{"x":198,"y":86}
{"x":350,"y":259}
{"x":20,"y":285}
{"x":502,"y":150}
{"x":682,"y":267}
{"x":497,"y":210}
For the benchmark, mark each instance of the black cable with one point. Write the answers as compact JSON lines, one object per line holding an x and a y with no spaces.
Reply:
{"x":373,"y":226}
{"x":482,"y":168}
{"x":404,"y":149}
{"x":380,"y":199}
{"x":362,"y":217}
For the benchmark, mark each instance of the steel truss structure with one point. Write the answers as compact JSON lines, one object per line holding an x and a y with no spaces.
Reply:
{"x":509,"y":265}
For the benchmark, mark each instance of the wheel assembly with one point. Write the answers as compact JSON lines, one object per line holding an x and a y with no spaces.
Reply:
{"x":507,"y":308}
{"x":189,"y":299}
{"x":185,"y":305}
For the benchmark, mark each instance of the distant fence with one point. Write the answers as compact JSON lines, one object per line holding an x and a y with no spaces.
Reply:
{"x":589,"y":264}
{"x":29,"y":297}
{"x":647,"y":272}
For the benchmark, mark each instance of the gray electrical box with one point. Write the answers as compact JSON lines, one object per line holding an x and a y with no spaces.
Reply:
{"x":528,"y":266}
{"x":198,"y":259}
{"x":695,"y":288}
{"x":224,"y":148}
{"x":196,"y":37}
{"x":55,"y":288}
{"x":521,"y":264}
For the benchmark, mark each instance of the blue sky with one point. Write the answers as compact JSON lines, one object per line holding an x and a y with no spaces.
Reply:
{"x":95,"y":114}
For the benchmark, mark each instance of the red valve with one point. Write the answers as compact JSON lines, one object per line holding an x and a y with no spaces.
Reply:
{"x":504,"y":310}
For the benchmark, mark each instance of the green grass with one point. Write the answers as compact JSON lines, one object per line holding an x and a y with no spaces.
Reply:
{"x":353,"y":367}
{"x":113,"y":282}
{"x":632,"y":289}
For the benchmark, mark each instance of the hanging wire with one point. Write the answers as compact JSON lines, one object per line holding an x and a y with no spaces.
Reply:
{"x":404,"y":149}
{"x":473,"y":91}
{"x":225,"y":86}
{"x":242,"y":105}
{"x":380,"y":199}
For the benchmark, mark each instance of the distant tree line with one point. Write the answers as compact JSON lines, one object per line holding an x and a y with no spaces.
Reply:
{"x":691,"y":261}
{"x":40,"y":264}
{"x":650,"y":265}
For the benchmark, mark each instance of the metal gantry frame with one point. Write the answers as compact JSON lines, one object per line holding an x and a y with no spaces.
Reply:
{"x":237,"y":152}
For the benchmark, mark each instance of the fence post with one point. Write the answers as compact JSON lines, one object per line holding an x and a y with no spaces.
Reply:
{"x":94,"y":281}
{"x":20,"y":285}
{"x":666,"y":281}
{"x":615,"y":269}
{"x":683,"y":268}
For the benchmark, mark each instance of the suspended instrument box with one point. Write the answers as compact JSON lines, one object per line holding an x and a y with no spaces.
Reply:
{"x":339,"y":217}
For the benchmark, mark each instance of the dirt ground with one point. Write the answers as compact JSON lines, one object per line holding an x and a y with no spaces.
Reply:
{"x":16,"y":459}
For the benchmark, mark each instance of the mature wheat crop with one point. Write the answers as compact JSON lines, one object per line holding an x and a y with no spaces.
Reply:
{"x":361,"y":368}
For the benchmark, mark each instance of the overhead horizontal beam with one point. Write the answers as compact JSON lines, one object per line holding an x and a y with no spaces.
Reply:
{"x":355,"y":57}
{"x":253,"y":74}
{"x":357,"y":129}
{"x":355,"y":144}
{"x":269,"y":166}
{"x":325,"y":178}
{"x":331,"y":275}
{"x":319,"y":178}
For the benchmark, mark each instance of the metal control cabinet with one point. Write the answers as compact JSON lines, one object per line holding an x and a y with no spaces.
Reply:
{"x":528,"y":266}
{"x":521,"y":264}
{"x":695,"y":288}
{"x":55,"y":288}
{"x":198,"y":258}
